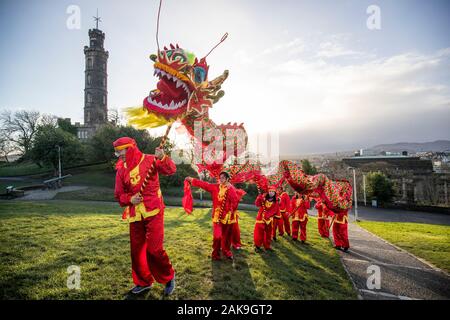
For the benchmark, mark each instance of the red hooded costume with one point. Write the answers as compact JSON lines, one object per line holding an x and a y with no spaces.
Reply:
{"x":149,"y":260}
{"x":268,"y":208}
{"x":225,"y":202}
{"x":283,"y":222}
{"x":299,"y":213}
{"x":340,"y":228}
{"x":323,"y":223}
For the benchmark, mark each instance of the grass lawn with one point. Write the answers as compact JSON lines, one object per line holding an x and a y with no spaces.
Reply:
{"x":427,"y":241}
{"x":22,"y":169}
{"x":39,"y":240}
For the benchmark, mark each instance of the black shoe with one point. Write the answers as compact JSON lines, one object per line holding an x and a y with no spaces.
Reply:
{"x":303,"y":241}
{"x":274,"y":238}
{"x":293,"y":239}
{"x":139,"y":289}
{"x":258,"y":249}
{"x":170,"y":286}
{"x":337,"y":248}
{"x":345,"y":249}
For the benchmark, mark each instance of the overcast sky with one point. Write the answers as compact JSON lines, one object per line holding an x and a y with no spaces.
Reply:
{"x":311,"y":70}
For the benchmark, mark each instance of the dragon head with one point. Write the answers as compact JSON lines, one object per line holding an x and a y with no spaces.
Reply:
{"x":183,"y":84}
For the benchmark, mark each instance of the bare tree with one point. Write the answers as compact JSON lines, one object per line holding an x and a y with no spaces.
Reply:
{"x":20,"y":127}
{"x":6,"y":145}
{"x":430,"y":190}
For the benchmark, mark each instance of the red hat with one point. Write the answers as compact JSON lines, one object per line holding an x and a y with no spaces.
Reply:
{"x":124,"y":142}
{"x":133,"y":154}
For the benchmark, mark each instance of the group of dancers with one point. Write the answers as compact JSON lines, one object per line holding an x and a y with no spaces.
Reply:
{"x":137,"y":189}
{"x":277,"y":213}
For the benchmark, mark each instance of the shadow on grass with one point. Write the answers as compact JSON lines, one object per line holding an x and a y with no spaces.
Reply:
{"x":232,"y":279}
{"x":310,"y":271}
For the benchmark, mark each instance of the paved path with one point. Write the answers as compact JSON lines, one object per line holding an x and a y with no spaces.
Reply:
{"x":402,"y":275}
{"x":396,"y":215}
{"x":48,"y":194}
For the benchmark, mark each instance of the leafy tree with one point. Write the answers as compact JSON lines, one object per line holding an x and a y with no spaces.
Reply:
{"x":45,"y":147}
{"x":65,"y":125}
{"x":176,"y":180}
{"x":379,"y":187}
{"x":308,"y":168}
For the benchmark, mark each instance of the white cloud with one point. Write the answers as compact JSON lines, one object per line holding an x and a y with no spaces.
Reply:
{"x":330,"y":49}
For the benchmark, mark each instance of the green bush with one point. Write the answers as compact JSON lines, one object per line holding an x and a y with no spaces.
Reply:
{"x":379,"y":187}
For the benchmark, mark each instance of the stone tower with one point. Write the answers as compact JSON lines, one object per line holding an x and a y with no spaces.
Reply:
{"x":95,"y":88}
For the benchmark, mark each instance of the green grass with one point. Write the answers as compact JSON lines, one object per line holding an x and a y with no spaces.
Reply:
{"x":22,"y":169}
{"x":430,"y":242}
{"x":39,"y":240}
{"x":100,"y":175}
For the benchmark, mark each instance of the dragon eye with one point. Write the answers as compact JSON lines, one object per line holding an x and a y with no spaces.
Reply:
{"x":199,"y":74}
{"x":179,"y":56}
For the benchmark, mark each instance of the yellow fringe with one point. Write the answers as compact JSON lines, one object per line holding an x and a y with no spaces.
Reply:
{"x":140,"y":118}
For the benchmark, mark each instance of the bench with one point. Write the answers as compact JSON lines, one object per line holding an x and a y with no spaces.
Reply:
{"x":55,"y":182}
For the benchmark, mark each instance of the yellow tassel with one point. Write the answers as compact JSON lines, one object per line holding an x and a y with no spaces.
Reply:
{"x":140,"y":118}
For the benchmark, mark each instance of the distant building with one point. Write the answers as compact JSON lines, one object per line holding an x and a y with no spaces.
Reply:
{"x":400,"y":162}
{"x":413,"y":177}
{"x":95,"y":92}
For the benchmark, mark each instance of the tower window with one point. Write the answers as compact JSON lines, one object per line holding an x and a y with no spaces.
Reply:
{"x":89,"y":79}
{"x":104,"y":99}
{"x":104,"y":66}
{"x":89,"y":97}
{"x":104,"y":82}
{"x":90,"y":63}
{"x":88,"y":116}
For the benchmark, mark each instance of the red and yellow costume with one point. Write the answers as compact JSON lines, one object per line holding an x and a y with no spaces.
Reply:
{"x":283,"y":222}
{"x":299,"y":213}
{"x":340,"y":228}
{"x":236,"y":233}
{"x":225,"y":201}
{"x":262,"y":234}
{"x":323,"y":224}
{"x":149,"y":260}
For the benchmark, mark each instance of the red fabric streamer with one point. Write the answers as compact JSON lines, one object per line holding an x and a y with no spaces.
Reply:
{"x":187,"y":201}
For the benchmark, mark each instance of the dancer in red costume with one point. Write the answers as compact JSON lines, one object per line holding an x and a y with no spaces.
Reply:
{"x":236,"y":232}
{"x":277,"y":218}
{"x":323,"y":224}
{"x":283,"y":222}
{"x":145,"y":212}
{"x":299,"y":213}
{"x":268,"y":208}
{"x":225,"y":201}
{"x":340,"y":229}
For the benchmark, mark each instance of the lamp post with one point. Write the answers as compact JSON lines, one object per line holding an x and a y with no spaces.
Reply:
{"x":59,"y":160}
{"x":364,"y":188}
{"x":354,"y":192}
